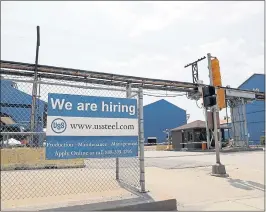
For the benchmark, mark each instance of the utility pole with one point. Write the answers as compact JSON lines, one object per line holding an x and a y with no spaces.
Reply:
{"x":34,"y":89}
{"x":218,"y":169}
{"x":195,"y":79}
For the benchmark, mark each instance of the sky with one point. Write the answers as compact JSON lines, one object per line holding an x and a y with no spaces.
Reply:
{"x":145,"y":39}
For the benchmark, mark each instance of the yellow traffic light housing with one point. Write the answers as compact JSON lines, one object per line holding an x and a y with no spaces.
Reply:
{"x":217,"y":81}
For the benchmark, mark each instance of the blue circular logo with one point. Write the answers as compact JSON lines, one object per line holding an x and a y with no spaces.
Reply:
{"x":58,"y":125}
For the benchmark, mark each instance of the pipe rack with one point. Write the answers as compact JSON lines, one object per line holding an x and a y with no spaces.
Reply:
{"x":78,"y":75}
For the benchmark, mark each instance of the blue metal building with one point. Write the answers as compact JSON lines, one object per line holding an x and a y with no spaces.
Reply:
{"x":17,"y":105}
{"x":159,"y":116}
{"x":255,"y":111}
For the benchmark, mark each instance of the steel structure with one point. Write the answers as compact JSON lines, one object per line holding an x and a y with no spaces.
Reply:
{"x":70,"y":74}
{"x":195,"y":72}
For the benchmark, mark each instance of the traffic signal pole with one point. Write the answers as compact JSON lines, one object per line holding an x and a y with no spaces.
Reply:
{"x":217,"y":146}
{"x":207,"y":128}
{"x":214,"y":111}
{"x":218,"y":169}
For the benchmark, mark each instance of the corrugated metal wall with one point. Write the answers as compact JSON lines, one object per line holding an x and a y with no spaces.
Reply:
{"x":255,"y":111}
{"x":17,"y":105}
{"x":162,"y":115}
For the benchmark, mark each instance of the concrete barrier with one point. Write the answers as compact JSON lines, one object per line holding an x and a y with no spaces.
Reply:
{"x":33,"y":158}
{"x":164,"y":147}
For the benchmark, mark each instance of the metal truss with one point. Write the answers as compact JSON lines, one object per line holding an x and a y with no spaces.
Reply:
{"x":70,"y":74}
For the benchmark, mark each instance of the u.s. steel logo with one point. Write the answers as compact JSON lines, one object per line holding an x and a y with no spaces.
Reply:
{"x":58,"y":125}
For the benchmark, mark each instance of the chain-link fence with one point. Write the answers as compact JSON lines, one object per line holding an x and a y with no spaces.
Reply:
{"x":26,"y":174}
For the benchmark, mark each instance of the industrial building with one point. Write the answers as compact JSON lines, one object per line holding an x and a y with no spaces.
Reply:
{"x":159,"y":116}
{"x":254,"y":113}
{"x":16,"y":107}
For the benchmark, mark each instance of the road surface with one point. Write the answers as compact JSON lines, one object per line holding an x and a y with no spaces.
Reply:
{"x":184,"y":176}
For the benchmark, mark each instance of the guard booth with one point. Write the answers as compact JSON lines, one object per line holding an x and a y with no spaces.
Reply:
{"x":191,"y":136}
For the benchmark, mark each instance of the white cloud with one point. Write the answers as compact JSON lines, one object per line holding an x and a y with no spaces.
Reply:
{"x":240,"y":12}
{"x":163,"y":15}
{"x":148,"y":39}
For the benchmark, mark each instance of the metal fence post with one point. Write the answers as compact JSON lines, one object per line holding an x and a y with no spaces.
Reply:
{"x":141,"y":142}
{"x":233,"y":131}
{"x":128,"y":95}
{"x":245,"y":123}
{"x":227,"y":123}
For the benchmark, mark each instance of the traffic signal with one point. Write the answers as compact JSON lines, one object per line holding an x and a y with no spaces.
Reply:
{"x":216,"y":74}
{"x":209,"y":98}
{"x":217,"y":81}
{"x":221,"y":98}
